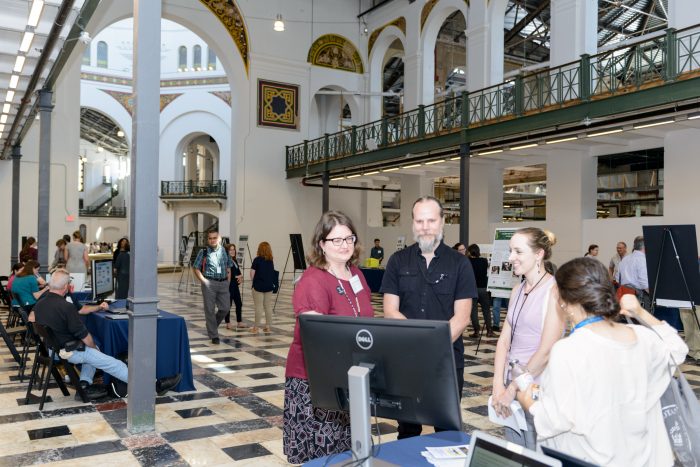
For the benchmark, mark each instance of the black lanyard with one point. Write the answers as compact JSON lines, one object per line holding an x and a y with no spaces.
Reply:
{"x":520,"y":311}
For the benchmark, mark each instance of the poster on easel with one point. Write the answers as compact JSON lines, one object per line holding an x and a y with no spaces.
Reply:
{"x":501,"y":278}
{"x":400,"y":243}
{"x":240,"y":251}
{"x":187,"y":257}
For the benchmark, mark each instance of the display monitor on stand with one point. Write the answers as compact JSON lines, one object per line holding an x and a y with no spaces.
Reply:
{"x":403,"y":369}
{"x":102,"y":279}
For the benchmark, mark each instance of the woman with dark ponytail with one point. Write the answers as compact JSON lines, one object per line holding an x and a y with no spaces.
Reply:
{"x":599,"y":396}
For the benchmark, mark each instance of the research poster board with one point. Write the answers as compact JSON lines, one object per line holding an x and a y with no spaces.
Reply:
{"x":240,"y":251}
{"x":501,"y":277}
{"x":187,"y":258}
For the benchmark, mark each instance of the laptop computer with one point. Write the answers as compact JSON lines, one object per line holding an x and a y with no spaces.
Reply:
{"x":488,"y":451}
{"x":566,"y":459}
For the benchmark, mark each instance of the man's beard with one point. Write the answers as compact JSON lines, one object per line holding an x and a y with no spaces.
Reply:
{"x":425,"y":243}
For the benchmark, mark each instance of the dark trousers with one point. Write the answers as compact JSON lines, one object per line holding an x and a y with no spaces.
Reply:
{"x":235,"y":293}
{"x":409,"y":430}
{"x":483,"y":300}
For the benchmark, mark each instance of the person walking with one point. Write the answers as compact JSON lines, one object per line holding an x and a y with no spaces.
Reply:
{"x":234,"y":289}
{"x":262,"y":274}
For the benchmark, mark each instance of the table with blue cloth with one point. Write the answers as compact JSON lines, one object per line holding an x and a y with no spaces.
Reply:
{"x":374,"y":277}
{"x":172,"y":342}
{"x":403,"y":452}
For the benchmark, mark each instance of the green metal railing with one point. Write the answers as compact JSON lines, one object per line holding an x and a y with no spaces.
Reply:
{"x":650,"y":63}
{"x":193,"y":189}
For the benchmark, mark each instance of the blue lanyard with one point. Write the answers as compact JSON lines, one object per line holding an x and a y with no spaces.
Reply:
{"x":586,"y":322}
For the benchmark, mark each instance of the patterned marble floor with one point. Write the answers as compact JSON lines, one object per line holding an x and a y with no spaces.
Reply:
{"x":233,"y":418}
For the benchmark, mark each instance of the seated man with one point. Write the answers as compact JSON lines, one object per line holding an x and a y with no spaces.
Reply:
{"x":54,"y":312}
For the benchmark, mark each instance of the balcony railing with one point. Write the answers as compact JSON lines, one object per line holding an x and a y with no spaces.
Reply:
{"x":654,"y":62}
{"x":104,"y":211}
{"x":187,"y":189}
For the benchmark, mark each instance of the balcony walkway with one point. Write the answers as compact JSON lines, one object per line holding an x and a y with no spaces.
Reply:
{"x":650,"y":78}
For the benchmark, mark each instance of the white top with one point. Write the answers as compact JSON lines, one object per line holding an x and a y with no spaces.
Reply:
{"x":600,"y":397}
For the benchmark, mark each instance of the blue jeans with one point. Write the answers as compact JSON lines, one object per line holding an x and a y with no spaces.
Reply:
{"x":497,"y":303}
{"x":92,"y":358}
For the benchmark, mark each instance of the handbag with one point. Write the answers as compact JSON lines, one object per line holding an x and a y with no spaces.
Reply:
{"x":275,"y":281}
{"x":681,"y":412}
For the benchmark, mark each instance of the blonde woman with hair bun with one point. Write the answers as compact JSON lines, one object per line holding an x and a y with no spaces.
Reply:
{"x":531,"y":327}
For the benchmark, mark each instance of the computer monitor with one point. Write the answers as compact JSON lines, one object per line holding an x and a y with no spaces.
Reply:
{"x":488,"y":451}
{"x":102,"y":278}
{"x":411,"y":364}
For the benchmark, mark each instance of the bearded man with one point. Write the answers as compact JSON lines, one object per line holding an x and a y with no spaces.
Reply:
{"x":429,"y":280}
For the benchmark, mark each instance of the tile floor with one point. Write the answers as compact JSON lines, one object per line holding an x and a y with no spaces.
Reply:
{"x":233,"y":418}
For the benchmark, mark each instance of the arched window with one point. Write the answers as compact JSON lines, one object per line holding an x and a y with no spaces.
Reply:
{"x":211,"y":59}
{"x":197,"y":58}
{"x":86,"y":55}
{"x":102,"y":54}
{"x":182,"y":58}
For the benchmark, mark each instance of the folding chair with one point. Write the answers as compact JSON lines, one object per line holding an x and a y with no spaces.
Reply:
{"x":11,"y":333}
{"x":47,"y":348}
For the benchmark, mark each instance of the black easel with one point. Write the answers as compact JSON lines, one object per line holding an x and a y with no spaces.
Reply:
{"x":279,"y":288}
{"x":667,"y":233}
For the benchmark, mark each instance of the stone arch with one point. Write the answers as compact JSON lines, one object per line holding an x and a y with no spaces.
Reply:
{"x":317,"y":114}
{"x":376,"y":66}
{"x":433,"y":23}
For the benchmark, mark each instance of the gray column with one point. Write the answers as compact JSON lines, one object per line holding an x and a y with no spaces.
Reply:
{"x":464,"y":193}
{"x":143,"y":281}
{"x":43,"y":211}
{"x":325,"y":192}
{"x":14,"y":236}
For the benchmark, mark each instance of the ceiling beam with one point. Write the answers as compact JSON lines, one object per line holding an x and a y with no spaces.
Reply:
{"x":515,"y":30}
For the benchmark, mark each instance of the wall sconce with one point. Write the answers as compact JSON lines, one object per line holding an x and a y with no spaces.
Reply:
{"x":279,"y":24}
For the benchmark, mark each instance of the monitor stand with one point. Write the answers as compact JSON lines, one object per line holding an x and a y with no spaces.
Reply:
{"x":360,"y":419}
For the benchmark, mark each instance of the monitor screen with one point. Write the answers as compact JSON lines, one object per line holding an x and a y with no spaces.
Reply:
{"x":413,"y":377}
{"x":488,"y":451}
{"x":102,"y":278}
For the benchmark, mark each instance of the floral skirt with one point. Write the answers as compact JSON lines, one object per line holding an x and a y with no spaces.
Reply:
{"x":310,"y":432}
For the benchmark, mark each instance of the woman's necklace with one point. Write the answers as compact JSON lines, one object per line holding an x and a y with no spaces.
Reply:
{"x":520,"y":311}
{"x":341,"y":291}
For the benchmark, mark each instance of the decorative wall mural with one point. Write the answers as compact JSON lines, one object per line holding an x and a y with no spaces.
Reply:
{"x":126,"y":99}
{"x":427,"y":8}
{"x":230,"y":16}
{"x":398,"y":22}
{"x":337,"y":52}
{"x":223,"y":95}
{"x":278,"y":105}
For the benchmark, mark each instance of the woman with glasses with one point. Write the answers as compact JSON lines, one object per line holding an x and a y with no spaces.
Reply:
{"x":332,"y":285}
{"x":262,"y":275}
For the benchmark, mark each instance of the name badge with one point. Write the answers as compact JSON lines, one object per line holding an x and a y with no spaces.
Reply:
{"x":218,"y":269}
{"x":356,"y":284}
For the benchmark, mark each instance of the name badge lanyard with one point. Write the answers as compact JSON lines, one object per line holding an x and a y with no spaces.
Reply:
{"x":341,"y":291}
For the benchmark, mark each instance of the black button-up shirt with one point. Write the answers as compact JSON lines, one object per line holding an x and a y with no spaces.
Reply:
{"x":430,"y":292}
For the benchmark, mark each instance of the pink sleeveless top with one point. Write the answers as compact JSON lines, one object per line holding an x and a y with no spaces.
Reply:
{"x":526,"y":318}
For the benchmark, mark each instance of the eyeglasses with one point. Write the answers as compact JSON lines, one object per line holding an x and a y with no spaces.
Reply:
{"x":339,"y":241}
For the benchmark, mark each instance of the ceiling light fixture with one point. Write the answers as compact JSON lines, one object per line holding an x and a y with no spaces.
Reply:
{"x":26,"y":41}
{"x":10,"y":95}
{"x":3,"y":118}
{"x":374,"y":172}
{"x":439,"y":161}
{"x":455,"y":158}
{"x":486,"y":153}
{"x":35,"y":13}
{"x":524,"y":146}
{"x":605,"y":132}
{"x":14,"y":80}
{"x":411,"y":166}
{"x":562,"y":140}
{"x":694,"y":115}
{"x":354,"y":176}
{"x":6,"y":108}
{"x":2,"y":128}
{"x":279,"y":24}
{"x":19,"y":63}
{"x":639,"y":126}
{"x":393,"y":169}
{"x":120,"y":133}
{"x":335,"y":179}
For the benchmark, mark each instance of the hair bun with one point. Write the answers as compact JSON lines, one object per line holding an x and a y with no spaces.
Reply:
{"x":550,"y":235}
